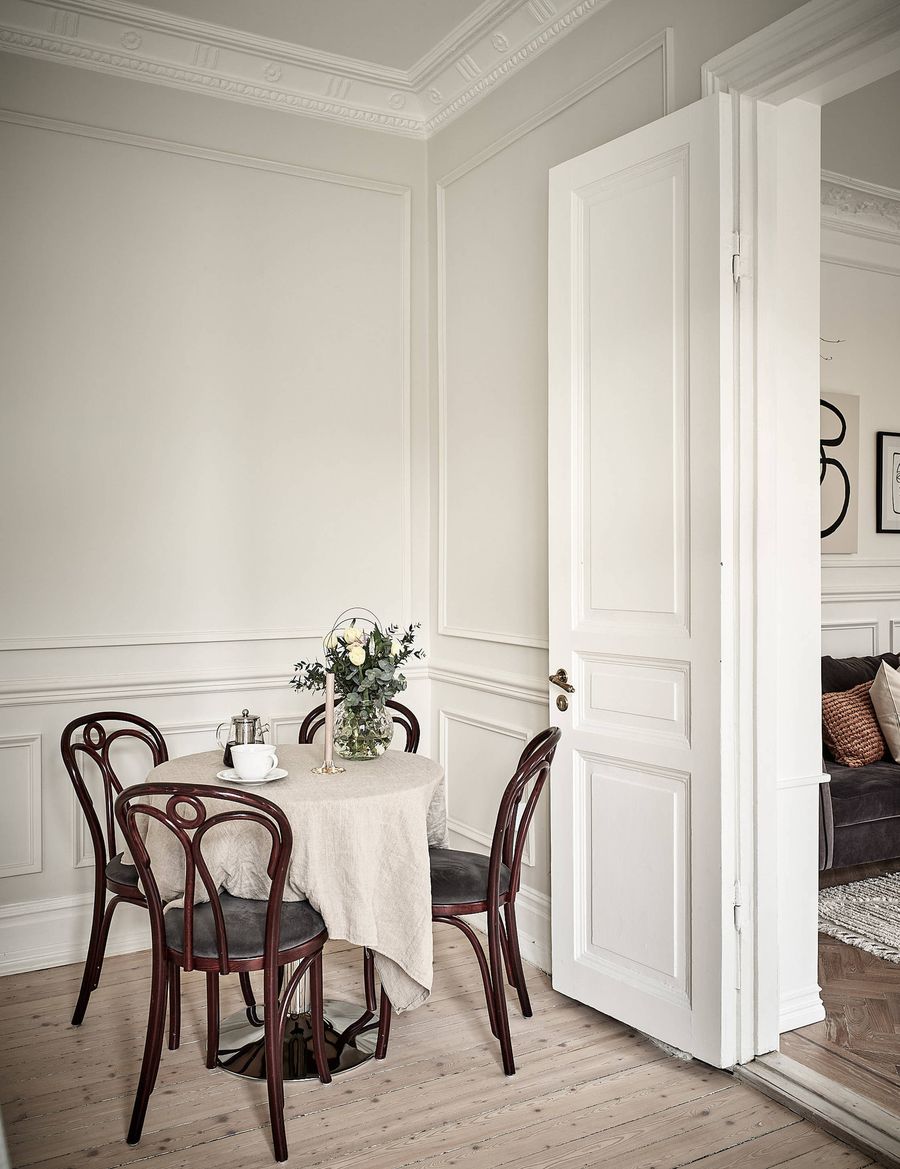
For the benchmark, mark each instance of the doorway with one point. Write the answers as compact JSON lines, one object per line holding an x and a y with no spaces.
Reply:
{"x":771,"y":761}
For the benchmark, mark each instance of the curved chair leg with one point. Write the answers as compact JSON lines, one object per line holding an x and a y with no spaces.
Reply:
{"x":502,"y":1018}
{"x":174,"y":981}
{"x":100,"y":918}
{"x":384,"y":1026}
{"x":512,"y":934}
{"x":156,"y":1025}
{"x":212,"y":1018}
{"x":274,"y":1044}
{"x":369,"y":980}
{"x":317,"y":1007}
{"x":482,"y":966}
{"x":507,"y":957}
{"x":247,"y":989}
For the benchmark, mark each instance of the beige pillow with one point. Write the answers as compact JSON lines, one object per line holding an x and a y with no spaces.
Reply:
{"x":850,"y":728}
{"x":885,"y":695}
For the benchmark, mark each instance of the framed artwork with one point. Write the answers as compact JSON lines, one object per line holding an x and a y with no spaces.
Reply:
{"x":839,"y":471}
{"x":887,"y":482}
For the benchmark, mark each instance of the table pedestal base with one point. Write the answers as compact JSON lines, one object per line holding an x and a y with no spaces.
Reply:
{"x":350,"y":1035}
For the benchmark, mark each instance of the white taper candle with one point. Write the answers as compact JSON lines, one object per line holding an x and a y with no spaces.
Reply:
{"x":329,"y":719}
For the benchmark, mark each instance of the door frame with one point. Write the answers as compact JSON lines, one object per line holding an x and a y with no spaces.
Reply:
{"x":780,"y":77}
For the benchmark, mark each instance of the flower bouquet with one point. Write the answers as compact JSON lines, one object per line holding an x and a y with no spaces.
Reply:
{"x":365,"y":659}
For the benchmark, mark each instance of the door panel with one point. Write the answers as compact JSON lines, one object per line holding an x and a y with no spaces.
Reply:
{"x":641,"y":304}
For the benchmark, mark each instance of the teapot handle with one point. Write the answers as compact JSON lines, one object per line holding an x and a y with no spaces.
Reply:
{"x":227,"y":723}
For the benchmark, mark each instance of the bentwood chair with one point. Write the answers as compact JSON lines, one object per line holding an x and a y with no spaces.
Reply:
{"x":93,"y":737}
{"x":90,"y":737}
{"x":224,"y":934}
{"x":403,"y":717}
{"x":469,"y":882}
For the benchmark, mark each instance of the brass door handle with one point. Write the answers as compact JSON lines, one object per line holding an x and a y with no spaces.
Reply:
{"x":561,"y":679}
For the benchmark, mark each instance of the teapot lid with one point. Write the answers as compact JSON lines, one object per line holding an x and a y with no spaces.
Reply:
{"x":245,"y":717}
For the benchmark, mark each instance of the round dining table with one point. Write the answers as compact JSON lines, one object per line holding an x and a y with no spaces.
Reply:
{"x":360,"y":856}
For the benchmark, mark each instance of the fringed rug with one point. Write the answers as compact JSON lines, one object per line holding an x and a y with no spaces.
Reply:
{"x":865,"y":914}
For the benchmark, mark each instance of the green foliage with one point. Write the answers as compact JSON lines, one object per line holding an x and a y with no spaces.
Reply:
{"x":365,"y":661}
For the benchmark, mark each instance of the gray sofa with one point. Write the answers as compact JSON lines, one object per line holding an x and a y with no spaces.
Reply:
{"x":860,"y":807}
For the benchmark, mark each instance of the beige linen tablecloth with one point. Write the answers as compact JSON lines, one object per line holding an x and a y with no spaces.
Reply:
{"x":360,"y":851}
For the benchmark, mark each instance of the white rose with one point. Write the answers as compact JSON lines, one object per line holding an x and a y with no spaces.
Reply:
{"x":357,"y":654}
{"x":351,"y":634}
{"x":396,"y":647}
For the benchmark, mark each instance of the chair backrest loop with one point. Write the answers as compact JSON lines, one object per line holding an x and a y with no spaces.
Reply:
{"x":91,"y":737}
{"x":514,"y":818}
{"x":208,"y":809}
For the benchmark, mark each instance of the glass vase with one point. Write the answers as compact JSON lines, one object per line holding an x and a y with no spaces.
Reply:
{"x":362,"y":732}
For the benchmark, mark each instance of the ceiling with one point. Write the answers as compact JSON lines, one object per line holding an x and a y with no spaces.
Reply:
{"x":393,"y":33}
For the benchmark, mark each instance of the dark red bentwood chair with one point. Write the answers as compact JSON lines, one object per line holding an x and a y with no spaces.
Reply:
{"x":403,"y":717}
{"x":224,"y":935}
{"x":110,"y":875}
{"x":468,"y":882}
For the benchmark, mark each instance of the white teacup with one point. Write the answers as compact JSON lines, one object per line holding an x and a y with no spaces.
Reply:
{"x":253,"y":760}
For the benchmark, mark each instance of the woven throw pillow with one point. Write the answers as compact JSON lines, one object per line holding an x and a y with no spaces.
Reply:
{"x":885,"y":696}
{"x":850,"y":728}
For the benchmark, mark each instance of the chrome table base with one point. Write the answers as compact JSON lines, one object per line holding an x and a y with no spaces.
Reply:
{"x":350,"y":1035}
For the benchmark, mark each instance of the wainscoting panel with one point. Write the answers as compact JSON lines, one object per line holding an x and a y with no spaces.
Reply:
{"x":20,"y":825}
{"x":482,"y":721}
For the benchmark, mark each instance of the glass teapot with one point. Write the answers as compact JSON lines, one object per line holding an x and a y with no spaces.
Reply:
{"x":242,"y":728}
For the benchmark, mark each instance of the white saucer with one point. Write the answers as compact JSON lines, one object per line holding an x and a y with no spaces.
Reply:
{"x":231,"y":776}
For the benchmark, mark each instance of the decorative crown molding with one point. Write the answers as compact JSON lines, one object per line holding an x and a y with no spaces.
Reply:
{"x":131,"y":40}
{"x":865,"y":208}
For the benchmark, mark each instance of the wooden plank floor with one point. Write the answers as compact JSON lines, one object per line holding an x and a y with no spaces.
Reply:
{"x":588,"y":1092}
{"x":858,"y":1043}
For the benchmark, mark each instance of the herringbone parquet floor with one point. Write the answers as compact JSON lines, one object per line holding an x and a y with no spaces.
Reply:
{"x":858,"y":1044}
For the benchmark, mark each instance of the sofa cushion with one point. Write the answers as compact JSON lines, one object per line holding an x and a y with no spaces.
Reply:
{"x":885,"y":696}
{"x":850,"y":728}
{"x":860,"y":795}
{"x":845,"y":673}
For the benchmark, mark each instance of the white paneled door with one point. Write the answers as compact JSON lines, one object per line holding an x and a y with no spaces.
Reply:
{"x":641,"y":352}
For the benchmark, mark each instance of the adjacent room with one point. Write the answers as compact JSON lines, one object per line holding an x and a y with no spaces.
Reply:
{"x":858,"y":1042}
{"x":420,"y":423}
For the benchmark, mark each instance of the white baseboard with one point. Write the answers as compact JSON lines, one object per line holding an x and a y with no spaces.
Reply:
{"x":799,"y":1008}
{"x":35,"y":935}
{"x":533,"y":919}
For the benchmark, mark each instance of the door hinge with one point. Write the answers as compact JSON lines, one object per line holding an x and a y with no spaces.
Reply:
{"x":739,"y":265}
{"x":738,"y":906}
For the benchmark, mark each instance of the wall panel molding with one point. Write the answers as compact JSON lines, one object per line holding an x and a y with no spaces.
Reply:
{"x":402,"y":192}
{"x":130,"y":40}
{"x":866,"y":629}
{"x":521,"y":734}
{"x":29,"y":833}
{"x":487,"y":681}
{"x":660,"y":43}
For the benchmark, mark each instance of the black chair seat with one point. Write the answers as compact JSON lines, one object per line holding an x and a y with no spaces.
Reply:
{"x":121,"y":874}
{"x":245,"y":927}
{"x":459,"y":878}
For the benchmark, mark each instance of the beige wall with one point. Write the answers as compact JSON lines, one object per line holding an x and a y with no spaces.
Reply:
{"x":861,"y":133}
{"x":214,"y":430}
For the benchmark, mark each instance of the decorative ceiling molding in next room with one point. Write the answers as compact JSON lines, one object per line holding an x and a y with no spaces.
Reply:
{"x":131,"y":40}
